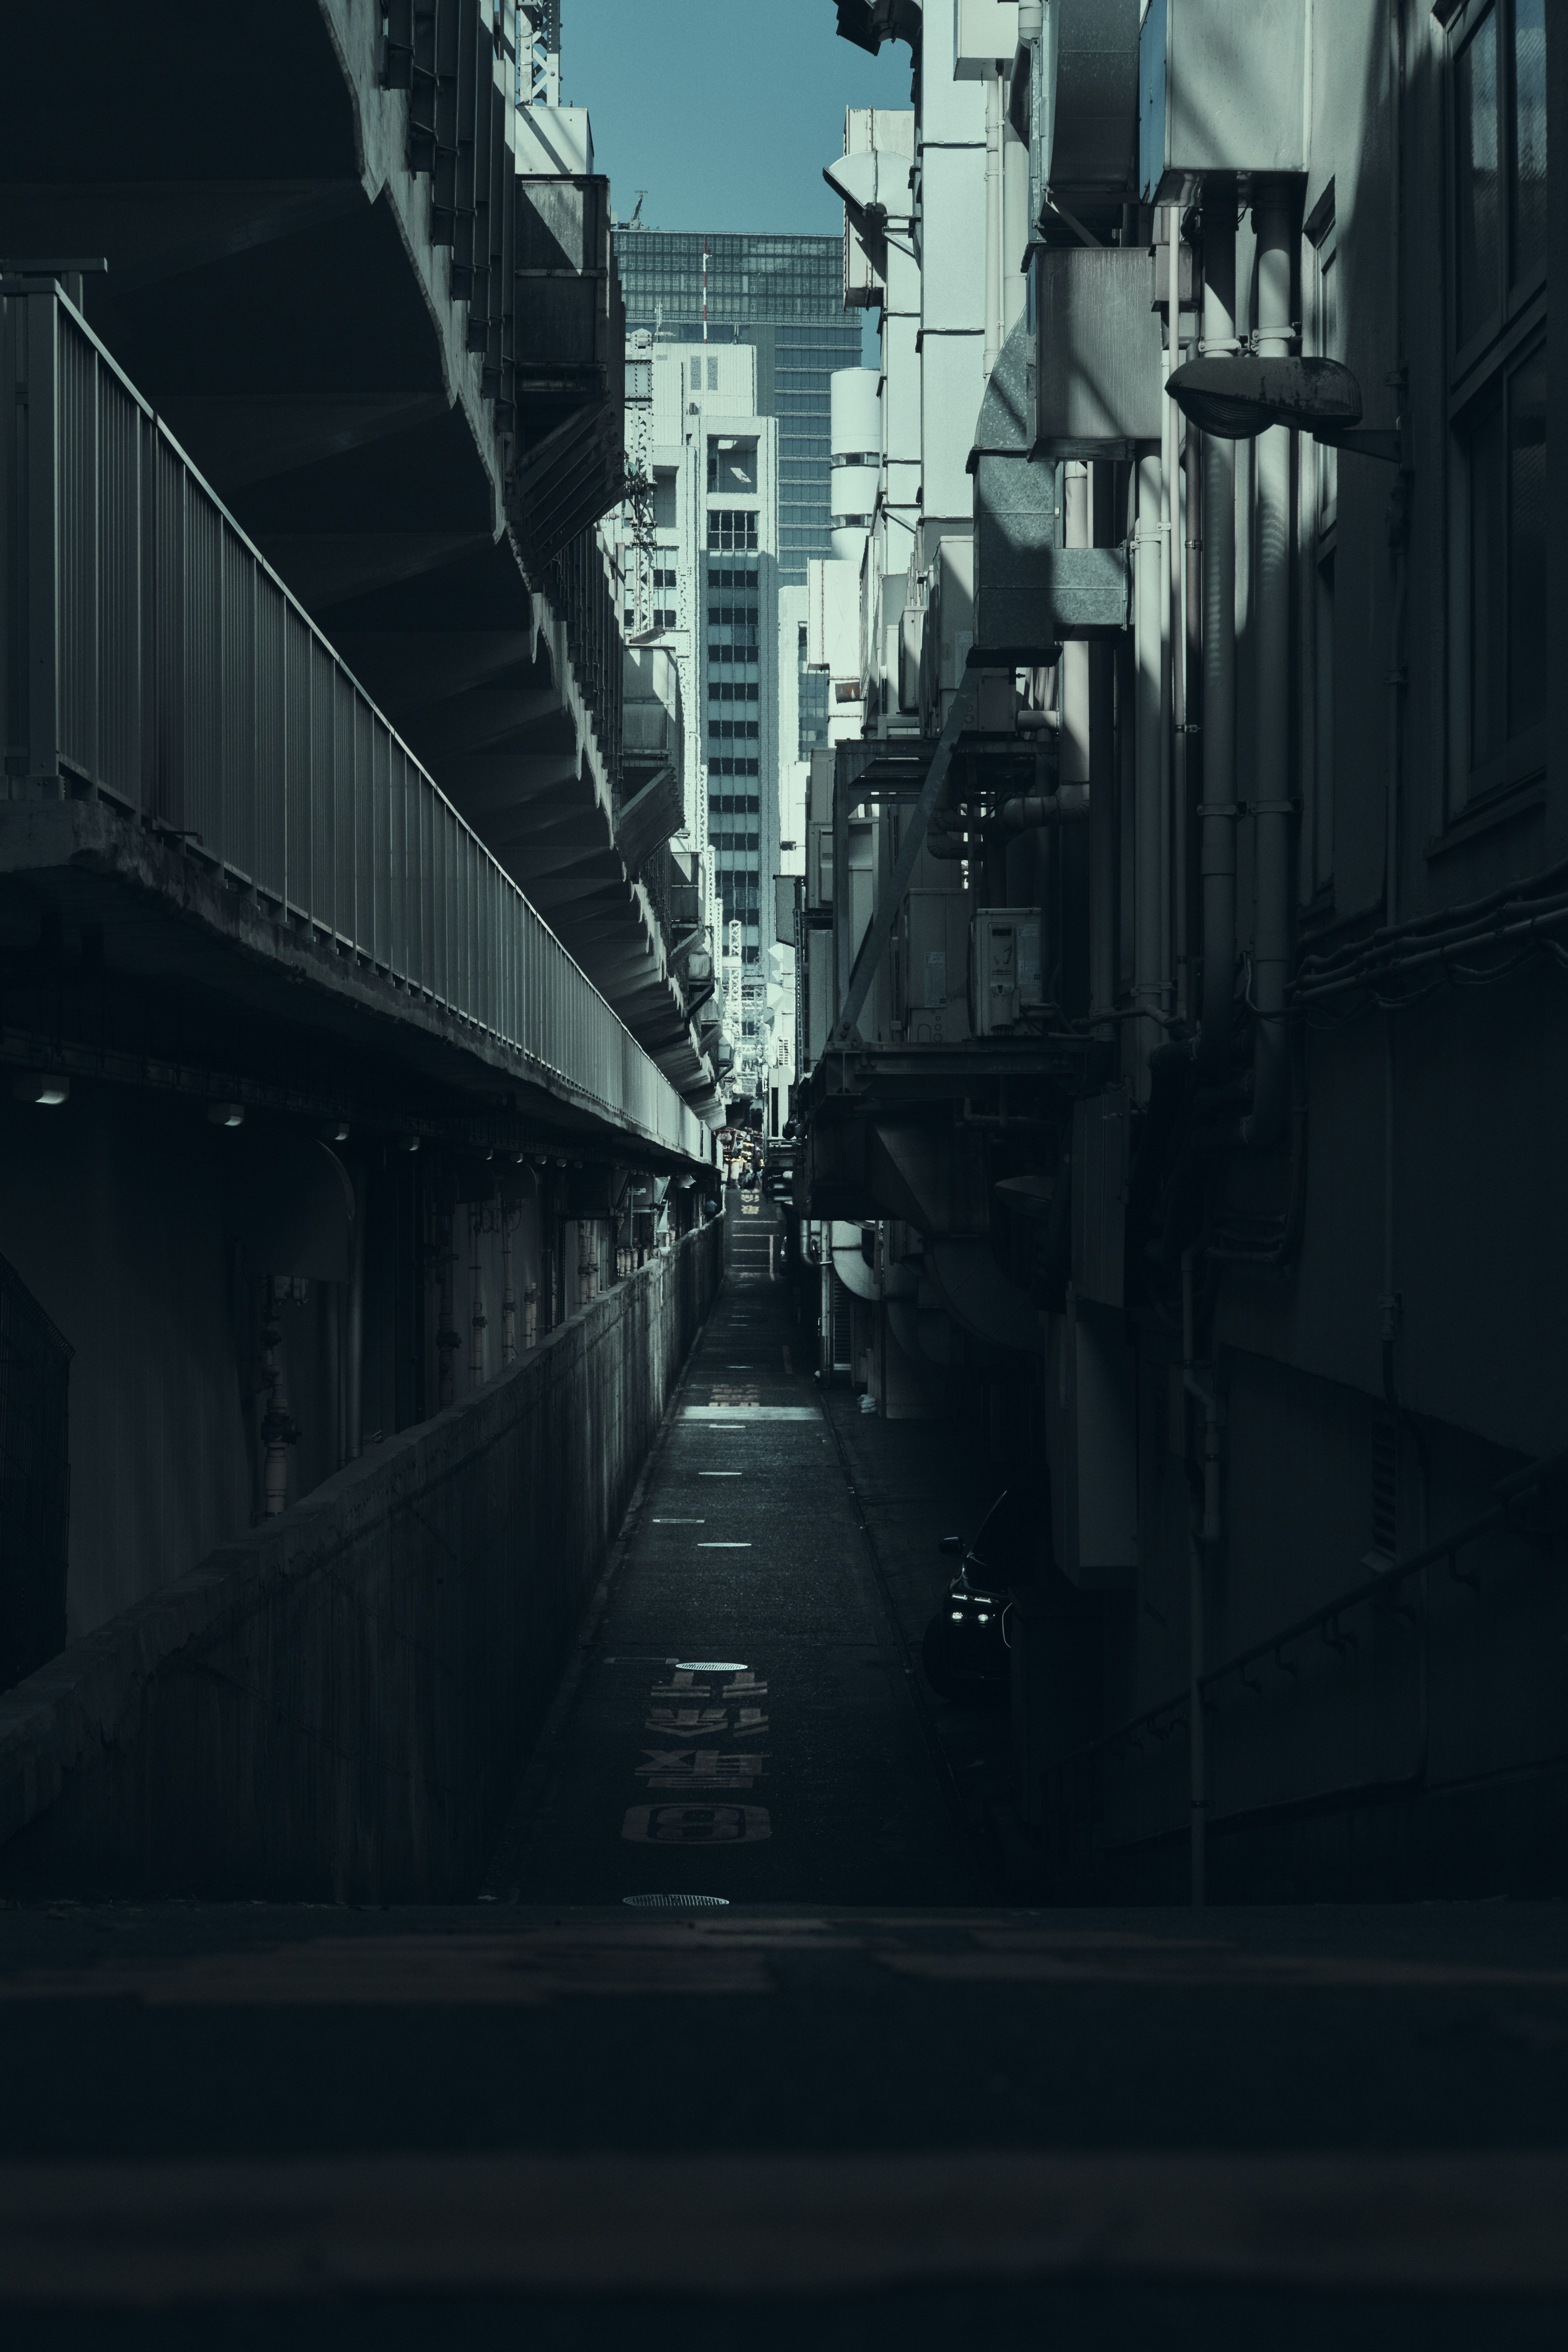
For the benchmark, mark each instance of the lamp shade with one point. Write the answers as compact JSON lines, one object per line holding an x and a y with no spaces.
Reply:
{"x":1237,"y":397}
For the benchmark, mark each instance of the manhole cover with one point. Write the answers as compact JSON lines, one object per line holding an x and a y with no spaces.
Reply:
{"x":677,"y":1902}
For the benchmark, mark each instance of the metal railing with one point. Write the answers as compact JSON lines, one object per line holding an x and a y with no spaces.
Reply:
{"x":151,"y":656}
{"x":1077,"y":1786}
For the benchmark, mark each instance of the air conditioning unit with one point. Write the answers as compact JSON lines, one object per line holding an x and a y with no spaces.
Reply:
{"x":1004,"y":980}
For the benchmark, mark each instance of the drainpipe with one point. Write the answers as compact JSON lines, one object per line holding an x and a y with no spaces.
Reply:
{"x":1175,"y":471}
{"x":508,"y":1216}
{"x":1202,"y":1537}
{"x":586,"y":1268}
{"x":1271,"y":806}
{"x":354,"y":1379}
{"x":1148,"y":835}
{"x":530,"y":1315}
{"x":448,"y":1341}
{"x":476,"y":1317}
{"x":1218,"y":809}
{"x":993,"y":103}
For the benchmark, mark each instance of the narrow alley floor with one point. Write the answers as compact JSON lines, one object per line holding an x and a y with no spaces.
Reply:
{"x":741,"y":1721}
{"x":859,"y":2100}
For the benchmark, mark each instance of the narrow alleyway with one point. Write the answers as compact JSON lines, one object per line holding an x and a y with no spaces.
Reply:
{"x":741,"y":1721}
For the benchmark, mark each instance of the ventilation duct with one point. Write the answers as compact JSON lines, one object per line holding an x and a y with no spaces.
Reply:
{"x":1030,"y":593}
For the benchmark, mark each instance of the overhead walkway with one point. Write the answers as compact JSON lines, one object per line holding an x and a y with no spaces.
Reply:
{"x":209,"y":821}
{"x":386,"y":328}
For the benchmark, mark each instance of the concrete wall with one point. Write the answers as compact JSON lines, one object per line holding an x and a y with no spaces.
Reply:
{"x":338,"y":1705}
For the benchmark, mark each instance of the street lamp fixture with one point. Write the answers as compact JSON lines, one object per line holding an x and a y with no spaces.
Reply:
{"x":1239,"y":396}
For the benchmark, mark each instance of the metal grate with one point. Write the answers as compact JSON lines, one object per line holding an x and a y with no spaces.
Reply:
{"x":676,"y":1902}
{"x":34,"y":1480}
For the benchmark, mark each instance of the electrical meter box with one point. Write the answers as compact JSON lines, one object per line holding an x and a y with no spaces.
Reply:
{"x":1222,"y":89}
{"x":1005,"y":982}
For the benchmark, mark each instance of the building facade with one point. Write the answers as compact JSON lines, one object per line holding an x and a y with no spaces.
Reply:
{"x":698,"y":565}
{"x":1184,"y":1000}
{"x":784,"y":297}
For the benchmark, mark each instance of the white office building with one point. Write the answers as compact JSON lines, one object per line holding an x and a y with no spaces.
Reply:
{"x":698,"y":576}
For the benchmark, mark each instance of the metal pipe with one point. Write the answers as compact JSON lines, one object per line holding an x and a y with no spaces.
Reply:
{"x":509,"y":1217}
{"x":1175,"y":623}
{"x":1273,"y":811}
{"x":1149,"y":838}
{"x":353,"y":1372}
{"x":1218,"y":809}
{"x":477,"y":1317}
{"x":1022,"y":814}
{"x":1202,"y":1537}
{"x":587,"y":1265}
{"x":448,"y":1342}
{"x":530,"y":1315}
{"x":993,"y":104}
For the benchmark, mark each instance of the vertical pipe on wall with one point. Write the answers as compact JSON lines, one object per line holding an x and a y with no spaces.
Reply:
{"x":448,"y":1341}
{"x":509,"y":1217}
{"x":1272,"y":809}
{"x":477,"y":1317}
{"x":1218,"y":809}
{"x":1149,"y":829}
{"x":354,"y":1370}
{"x":586,"y":1263}
{"x":1174,"y":426}
{"x":993,"y":210}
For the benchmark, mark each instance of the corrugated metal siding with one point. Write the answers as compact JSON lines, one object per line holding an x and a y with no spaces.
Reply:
{"x":192,"y":687}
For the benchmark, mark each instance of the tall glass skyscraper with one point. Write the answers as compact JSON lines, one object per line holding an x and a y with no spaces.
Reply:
{"x":782,"y":295}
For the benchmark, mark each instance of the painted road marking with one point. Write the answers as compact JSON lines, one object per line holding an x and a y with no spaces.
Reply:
{"x":696,"y":1824}
{"x":720,"y":1474}
{"x":723,"y":1547}
{"x":679,"y":1523}
{"x":752,"y":1411}
{"x":749,"y":1720}
{"x":705,"y":1767}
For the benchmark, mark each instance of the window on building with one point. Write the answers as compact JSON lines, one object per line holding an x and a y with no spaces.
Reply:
{"x":732,"y":464}
{"x":1498,"y":395}
{"x":732,"y":527}
{"x":664,"y":500}
{"x":697,"y":375}
{"x":712,"y":375}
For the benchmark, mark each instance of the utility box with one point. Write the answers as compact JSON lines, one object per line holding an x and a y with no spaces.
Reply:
{"x":1222,"y":89}
{"x":1004,"y":982}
